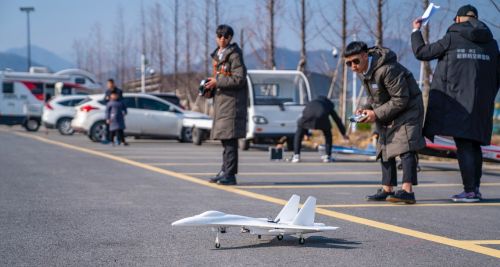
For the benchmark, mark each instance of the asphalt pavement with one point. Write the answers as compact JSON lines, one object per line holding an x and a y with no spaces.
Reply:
{"x":66,"y":201}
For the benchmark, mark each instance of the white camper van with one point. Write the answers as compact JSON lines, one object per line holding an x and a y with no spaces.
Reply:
{"x":23,"y":94}
{"x":276,"y":99}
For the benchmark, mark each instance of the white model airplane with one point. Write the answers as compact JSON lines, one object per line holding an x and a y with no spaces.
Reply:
{"x":290,"y":221}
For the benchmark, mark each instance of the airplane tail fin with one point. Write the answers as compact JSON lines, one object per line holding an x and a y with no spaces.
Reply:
{"x":305,"y":217}
{"x":289,"y":211}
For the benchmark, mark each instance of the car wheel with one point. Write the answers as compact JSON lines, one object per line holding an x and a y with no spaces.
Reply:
{"x":244,"y":144}
{"x":98,"y":132}
{"x":197,"y":136}
{"x":31,"y":125}
{"x":64,"y":126}
{"x":186,"y":135}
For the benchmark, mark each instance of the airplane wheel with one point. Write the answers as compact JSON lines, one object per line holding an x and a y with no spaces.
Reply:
{"x":259,"y":236}
{"x":217,"y":245}
{"x":302,"y":241}
{"x":279,"y":237}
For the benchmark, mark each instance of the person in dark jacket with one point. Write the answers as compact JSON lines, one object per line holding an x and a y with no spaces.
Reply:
{"x":115,"y":118}
{"x":316,"y":115}
{"x":463,"y":90}
{"x":396,"y":106}
{"x":228,"y":86}
{"x":111,"y":88}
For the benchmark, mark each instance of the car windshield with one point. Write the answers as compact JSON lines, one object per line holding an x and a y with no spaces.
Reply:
{"x":278,"y":89}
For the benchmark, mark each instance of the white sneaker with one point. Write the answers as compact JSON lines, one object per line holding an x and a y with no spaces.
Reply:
{"x":296,"y":158}
{"x":326,"y":159}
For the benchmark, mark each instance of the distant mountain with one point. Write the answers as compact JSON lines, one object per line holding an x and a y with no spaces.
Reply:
{"x":14,"y":62}
{"x":15,"y":59}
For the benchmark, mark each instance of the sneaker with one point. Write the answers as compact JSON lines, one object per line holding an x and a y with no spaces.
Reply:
{"x":381,"y":195}
{"x":227,"y":180}
{"x":296,"y":158}
{"x":326,"y":159}
{"x":466,"y":197}
{"x":401,"y":196}
{"x":105,"y":142}
{"x":125,"y":143}
{"x":217,"y":177}
{"x":478,"y":194}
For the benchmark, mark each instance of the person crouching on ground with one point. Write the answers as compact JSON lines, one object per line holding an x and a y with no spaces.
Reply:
{"x":396,"y":107}
{"x":316,"y":115}
{"x":115,"y":118}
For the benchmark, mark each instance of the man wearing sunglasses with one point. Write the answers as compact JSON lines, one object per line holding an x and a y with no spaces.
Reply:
{"x":463,"y":90}
{"x":228,"y":86}
{"x":395,"y":106}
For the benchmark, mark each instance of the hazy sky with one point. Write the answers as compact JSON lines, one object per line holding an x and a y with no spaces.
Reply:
{"x":55,"y":24}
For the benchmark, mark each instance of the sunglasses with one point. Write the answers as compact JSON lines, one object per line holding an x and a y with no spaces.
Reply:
{"x":355,"y":61}
{"x":226,"y":36}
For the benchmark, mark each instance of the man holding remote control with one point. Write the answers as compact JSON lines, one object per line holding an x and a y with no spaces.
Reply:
{"x":395,"y":106}
{"x":228,"y":87}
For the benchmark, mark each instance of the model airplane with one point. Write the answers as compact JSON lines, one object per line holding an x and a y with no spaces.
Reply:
{"x":290,"y":221}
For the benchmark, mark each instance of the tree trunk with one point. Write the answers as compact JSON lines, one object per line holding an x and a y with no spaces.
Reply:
{"x":427,"y":66}
{"x":176,"y":43}
{"x":303,"y":57}
{"x":380,"y":24}
{"x":271,"y":58}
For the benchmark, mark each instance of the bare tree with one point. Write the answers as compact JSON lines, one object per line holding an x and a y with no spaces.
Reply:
{"x":79,"y":50}
{"x":271,"y":45}
{"x":269,"y":9}
{"x":176,"y":42}
{"x":156,"y":39}
{"x":207,"y":42}
{"x":379,"y":37}
{"x":426,"y":66}
{"x":303,"y":56}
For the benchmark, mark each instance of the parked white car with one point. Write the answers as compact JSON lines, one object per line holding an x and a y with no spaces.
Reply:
{"x":148,"y":116}
{"x":59,"y":111}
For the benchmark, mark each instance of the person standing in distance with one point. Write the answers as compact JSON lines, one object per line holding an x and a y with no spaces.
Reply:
{"x":463,"y":90}
{"x":111,"y":88}
{"x":395,"y":105}
{"x":228,"y":86}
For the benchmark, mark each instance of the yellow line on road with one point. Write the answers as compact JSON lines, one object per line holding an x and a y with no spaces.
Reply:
{"x":350,"y":218}
{"x":306,"y":186}
{"x":384,"y":205}
{"x":483,"y":242}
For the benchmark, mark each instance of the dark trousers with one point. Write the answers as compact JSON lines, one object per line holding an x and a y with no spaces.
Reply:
{"x":108,"y":134}
{"x":119,"y":135}
{"x":390,"y":174}
{"x":470,"y":161}
{"x":299,"y":135}
{"x":230,"y":156}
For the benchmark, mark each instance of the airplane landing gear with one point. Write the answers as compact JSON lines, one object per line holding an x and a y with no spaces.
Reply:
{"x":221,"y":230}
{"x":302,"y":240}
{"x":279,"y":237}
{"x":259,"y":236}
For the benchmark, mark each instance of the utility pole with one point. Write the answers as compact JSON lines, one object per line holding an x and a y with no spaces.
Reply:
{"x":28,"y":10}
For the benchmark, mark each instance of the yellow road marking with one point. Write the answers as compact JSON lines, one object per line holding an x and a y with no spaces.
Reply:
{"x":384,"y":205}
{"x":350,"y":218}
{"x":348,"y":185}
{"x":333,"y":172}
{"x":483,"y":242}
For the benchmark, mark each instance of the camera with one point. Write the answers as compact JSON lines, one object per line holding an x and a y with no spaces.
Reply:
{"x":202,"y":91}
{"x":357,"y":118}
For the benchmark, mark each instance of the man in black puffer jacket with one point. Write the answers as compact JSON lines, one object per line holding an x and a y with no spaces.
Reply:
{"x":316,"y":115}
{"x":463,"y":90}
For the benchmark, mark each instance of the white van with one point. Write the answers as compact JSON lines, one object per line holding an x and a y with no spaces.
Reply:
{"x":276,"y":99}
{"x":23,"y":94}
